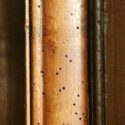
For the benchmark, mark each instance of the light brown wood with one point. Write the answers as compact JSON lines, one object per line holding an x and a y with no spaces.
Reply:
{"x":36,"y":63}
{"x":27,"y":63}
{"x":59,"y":63}
{"x":65,"y":62}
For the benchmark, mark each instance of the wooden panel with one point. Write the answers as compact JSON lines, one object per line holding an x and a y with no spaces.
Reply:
{"x":12,"y":74}
{"x":115,"y":62}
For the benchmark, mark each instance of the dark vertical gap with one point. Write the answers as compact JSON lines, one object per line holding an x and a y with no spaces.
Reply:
{"x":30,"y":39}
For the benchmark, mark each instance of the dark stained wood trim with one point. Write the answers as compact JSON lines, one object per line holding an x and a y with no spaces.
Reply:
{"x":97,"y":58}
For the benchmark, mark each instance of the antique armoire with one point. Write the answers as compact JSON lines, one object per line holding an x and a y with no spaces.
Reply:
{"x":62,"y":62}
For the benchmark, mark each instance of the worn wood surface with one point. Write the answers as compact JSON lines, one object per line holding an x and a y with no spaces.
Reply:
{"x":65,"y":62}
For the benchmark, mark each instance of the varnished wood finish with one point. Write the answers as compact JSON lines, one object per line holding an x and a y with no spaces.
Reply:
{"x":36,"y":62}
{"x":27,"y":62}
{"x":65,"y":62}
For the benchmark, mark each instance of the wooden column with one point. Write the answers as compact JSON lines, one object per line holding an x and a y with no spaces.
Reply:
{"x":59,"y":62}
{"x":65,"y":62}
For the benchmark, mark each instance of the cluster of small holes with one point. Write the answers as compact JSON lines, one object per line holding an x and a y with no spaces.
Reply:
{"x":70,"y":60}
{"x":83,"y":116}
{"x":42,"y":72}
{"x":52,"y":47}
{"x":63,"y":88}
{"x":60,"y":68}
{"x":80,"y":116}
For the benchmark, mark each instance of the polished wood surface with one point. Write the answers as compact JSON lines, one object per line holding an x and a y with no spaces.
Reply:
{"x":65,"y":62}
{"x":36,"y":63}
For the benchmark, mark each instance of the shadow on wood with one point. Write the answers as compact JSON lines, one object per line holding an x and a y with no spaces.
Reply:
{"x":12,"y":53}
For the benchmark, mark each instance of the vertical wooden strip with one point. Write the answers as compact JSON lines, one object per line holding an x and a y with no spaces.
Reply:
{"x":98,"y":52}
{"x":66,"y":85}
{"x":27,"y":62}
{"x":36,"y":66}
